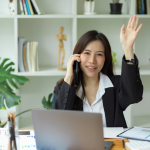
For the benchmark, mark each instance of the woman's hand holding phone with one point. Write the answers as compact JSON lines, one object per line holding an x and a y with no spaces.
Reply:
{"x":70,"y":72}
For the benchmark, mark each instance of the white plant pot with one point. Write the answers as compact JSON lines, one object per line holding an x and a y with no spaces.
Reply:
{"x":87,"y":7}
{"x":92,"y":6}
{"x":11,"y":7}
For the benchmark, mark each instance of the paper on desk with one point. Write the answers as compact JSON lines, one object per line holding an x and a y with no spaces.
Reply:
{"x":112,"y":132}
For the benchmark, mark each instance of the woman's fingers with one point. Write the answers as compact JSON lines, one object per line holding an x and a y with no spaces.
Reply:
{"x":132,"y":22}
{"x":136,"y":24}
{"x":123,"y":29}
{"x":139,"y":28}
{"x":129,"y":23}
{"x":75,"y":57}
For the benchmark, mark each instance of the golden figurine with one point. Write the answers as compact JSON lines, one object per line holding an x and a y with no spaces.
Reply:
{"x":60,"y":37}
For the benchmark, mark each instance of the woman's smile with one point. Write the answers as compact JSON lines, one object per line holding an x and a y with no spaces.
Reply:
{"x":91,"y":68}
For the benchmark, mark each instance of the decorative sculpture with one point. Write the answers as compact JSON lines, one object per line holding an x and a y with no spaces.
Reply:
{"x":60,"y":37}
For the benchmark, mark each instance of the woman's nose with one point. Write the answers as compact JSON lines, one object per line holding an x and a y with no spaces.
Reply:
{"x":92,"y":59}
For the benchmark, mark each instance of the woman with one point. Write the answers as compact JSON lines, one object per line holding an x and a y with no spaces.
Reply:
{"x":98,"y":89}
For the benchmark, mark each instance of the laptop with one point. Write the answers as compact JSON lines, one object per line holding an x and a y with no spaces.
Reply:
{"x":68,"y":130}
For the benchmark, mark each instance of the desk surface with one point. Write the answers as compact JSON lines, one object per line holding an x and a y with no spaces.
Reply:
{"x":117,"y":144}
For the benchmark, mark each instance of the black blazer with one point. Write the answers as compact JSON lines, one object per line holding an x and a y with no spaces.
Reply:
{"x":128,"y":89}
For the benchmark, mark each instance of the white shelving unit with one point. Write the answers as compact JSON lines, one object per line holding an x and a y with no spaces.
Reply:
{"x":43,"y":29}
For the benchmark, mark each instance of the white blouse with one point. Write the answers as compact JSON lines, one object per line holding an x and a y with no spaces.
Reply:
{"x":97,"y":105}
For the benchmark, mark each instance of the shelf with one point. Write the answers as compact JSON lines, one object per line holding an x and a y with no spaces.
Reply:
{"x":6,"y":16}
{"x":104,"y":16}
{"x":46,"y":16}
{"x":44,"y":71}
{"x":111,"y":16}
{"x":52,"y":71}
{"x":72,"y":16}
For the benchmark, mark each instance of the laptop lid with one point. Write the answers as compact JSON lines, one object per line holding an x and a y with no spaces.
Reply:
{"x":67,"y":130}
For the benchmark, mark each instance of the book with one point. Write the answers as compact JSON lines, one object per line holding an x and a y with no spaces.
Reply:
{"x":37,"y":59}
{"x":20,"y":54}
{"x":138,"y":145}
{"x":136,"y":133}
{"x":35,"y":56}
{"x":142,"y":7}
{"x":24,"y":6}
{"x":138,"y":6}
{"x":21,"y":7}
{"x":36,"y":7}
{"x":148,"y":6}
{"x":24,"y":58}
{"x":27,"y":6}
{"x":31,"y":57}
{"x":34,"y":10}
{"x":145,"y":7}
{"x":31,"y":10}
{"x":28,"y":57}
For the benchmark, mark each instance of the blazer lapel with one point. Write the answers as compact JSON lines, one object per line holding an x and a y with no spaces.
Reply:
{"x":109,"y":106}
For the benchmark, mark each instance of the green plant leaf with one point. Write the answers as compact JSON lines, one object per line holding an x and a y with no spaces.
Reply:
{"x":47,"y":104}
{"x":3,"y":124}
{"x":23,"y":112}
{"x":7,"y":80}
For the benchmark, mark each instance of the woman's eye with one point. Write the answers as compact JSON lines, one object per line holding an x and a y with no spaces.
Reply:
{"x":87,"y":53}
{"x":99,"y":54}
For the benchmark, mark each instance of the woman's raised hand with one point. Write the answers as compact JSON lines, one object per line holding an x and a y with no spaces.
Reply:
{"x":128,"y":36}
{"x":70,"y":74}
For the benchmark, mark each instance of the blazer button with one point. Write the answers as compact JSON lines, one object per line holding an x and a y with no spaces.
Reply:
{"x":137,"y":80}
{"x":67,"y":91}
{"x":65,"y":102}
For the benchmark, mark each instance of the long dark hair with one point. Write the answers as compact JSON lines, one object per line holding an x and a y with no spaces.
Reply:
{"x":84,"y":40}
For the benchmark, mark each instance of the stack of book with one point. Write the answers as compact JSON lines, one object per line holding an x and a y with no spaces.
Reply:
{"x":29,"y":7}
{"x":27,"y":56}
{"x":143,"y":6}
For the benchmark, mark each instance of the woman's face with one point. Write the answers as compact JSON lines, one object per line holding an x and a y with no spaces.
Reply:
{"x":92,"y":59}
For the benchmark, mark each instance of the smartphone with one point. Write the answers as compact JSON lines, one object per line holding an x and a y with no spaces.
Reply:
{"x":76,"y":66}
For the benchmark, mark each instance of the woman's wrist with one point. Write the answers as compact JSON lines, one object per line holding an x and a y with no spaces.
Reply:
{"x":68,"y":80}
{"x":128,"y":52}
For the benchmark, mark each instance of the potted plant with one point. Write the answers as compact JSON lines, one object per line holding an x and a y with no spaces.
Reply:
{"x":89,"y":6}
{"x":8,"y":82}
{"x":116,"y":7}
{"x":47,"y":104}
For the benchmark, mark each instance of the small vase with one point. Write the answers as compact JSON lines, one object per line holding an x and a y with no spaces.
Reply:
{"x":87,"y":7}
{"x":92,"y":6}
{"x":11,"y":7}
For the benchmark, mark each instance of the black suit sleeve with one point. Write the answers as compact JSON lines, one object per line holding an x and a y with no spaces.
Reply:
{"x":64,"y":96}
{"x":131,"y":88}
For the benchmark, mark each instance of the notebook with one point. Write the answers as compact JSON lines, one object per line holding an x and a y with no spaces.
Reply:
{"x":138,"y":145}
{"x":137,"y":133}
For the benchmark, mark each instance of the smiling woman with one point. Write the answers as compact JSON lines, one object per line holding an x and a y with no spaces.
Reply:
{"x":98,"y":89}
